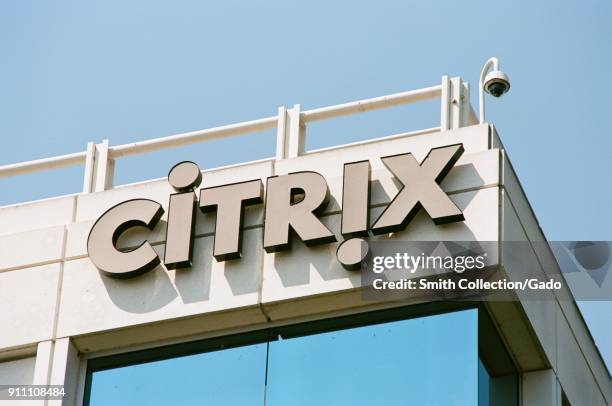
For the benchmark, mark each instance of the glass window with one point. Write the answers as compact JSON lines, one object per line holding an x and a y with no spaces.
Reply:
{"x":431,"y":360}
{"x":229,"y":377}
{"x":423,"y":361}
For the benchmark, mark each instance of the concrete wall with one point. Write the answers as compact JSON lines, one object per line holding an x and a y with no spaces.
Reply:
{"x":556,"y":322}
{"x":19,"y":371}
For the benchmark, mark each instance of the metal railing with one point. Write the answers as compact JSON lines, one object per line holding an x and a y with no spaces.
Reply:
{"x":290,"y":123}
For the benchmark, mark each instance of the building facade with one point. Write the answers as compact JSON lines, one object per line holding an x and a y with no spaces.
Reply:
{"x":290,"y":325}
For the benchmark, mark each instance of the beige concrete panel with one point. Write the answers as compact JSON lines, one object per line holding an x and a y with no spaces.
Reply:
{"x":514,"y":326}
{"x":541,"y":315}
{"x":520,"y":262}
{"x":495,"y":140}
{"x":473,"y":170}
{"x":304,"y":271}
{"x":580,"y":332}
{"x":342,"y":303}
{"x":512,"y":229}
{"x":77,"y":233}
{"x":533,"y":232}
{"x":92,"y":302}
{"x":35,"y":215}
{"x":238,"y":173}
{"x":155,"y":334}
{"x":19,"y":371}
{"x":44,"y":359}
{"x":91,"y":205}
{"x":76,"y":239}
{"x":480,"y":209}
{"x":28,"y":304}
{"x":31,"y":248}
{"x":12,"y":353}
{"x":523,"y":209}
{"x":573,"y":370}
{"x":65,"y":371}
{"x":540,"y":388}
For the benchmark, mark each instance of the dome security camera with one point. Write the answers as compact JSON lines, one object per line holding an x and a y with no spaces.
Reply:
{"x":496,"y":83}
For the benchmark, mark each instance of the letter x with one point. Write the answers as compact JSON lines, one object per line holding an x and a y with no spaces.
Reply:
{"x":420,"y":188}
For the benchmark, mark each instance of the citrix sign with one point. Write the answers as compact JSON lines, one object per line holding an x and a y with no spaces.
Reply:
{"x":292,"y":205}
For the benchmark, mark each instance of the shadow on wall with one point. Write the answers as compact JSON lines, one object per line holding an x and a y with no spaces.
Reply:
{"x":143,"y":294}
{"x":159,"y":287}
{"x":294,"y":266}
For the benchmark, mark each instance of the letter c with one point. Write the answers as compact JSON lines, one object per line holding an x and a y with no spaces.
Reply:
{"x":101,"y":243}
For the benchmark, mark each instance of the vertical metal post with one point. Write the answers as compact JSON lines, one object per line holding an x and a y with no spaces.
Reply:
{"x":459,"y":103}
{"x":466,"y":108}
{"x":290,"y":133}
{"x":64,"y":371}
{"x":455,"y":109}
{"x":90,"y":159}
{"x":296,"y":132}
{"x":281,"y":133}
{"x":42,"y":367}
{"x":104,"y":167}
{"x":470,"y":115}
{"x":445,"y":104}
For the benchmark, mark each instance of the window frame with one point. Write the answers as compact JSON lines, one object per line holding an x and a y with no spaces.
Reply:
{"x":492,"y":351}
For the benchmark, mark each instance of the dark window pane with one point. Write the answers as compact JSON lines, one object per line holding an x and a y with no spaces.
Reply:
{"x":483,"y":385}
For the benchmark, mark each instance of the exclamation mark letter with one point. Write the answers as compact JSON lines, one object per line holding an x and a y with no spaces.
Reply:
{"x":356,"y":199}
{"x":353,"y":252}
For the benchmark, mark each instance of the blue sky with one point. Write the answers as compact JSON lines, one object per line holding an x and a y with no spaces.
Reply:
{"x":79,"y":71}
